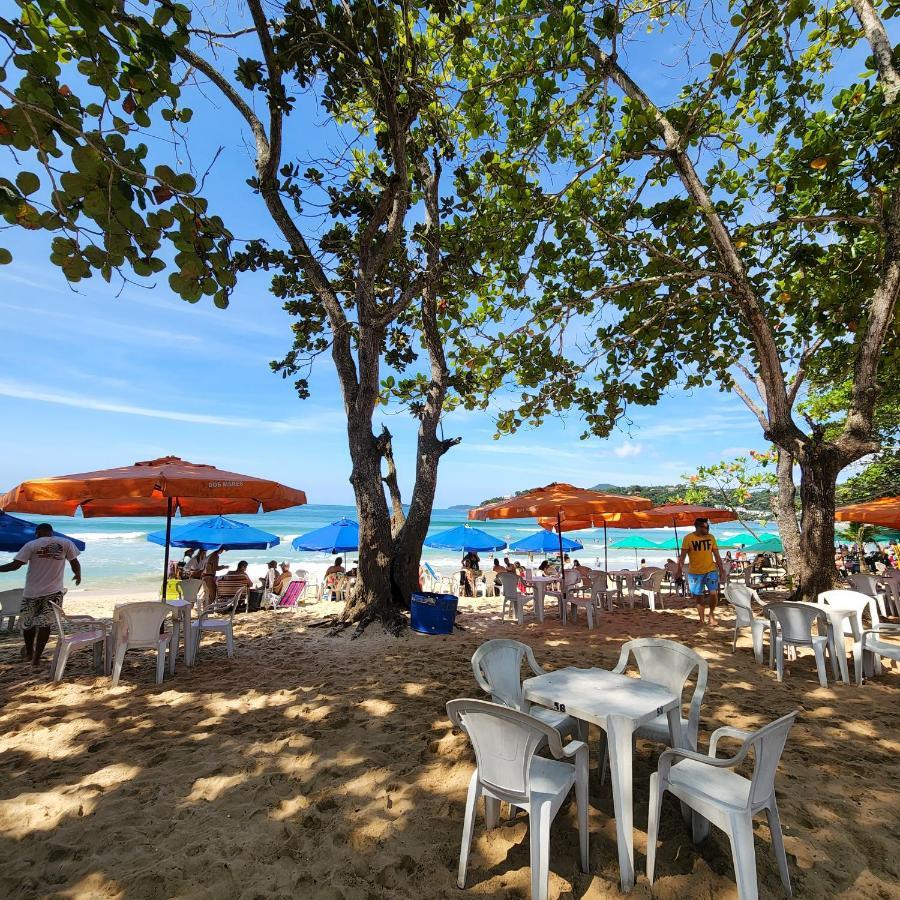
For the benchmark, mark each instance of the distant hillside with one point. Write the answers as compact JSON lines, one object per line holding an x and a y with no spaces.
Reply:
{"x":465,"y":506}
{"x":657,"y":494}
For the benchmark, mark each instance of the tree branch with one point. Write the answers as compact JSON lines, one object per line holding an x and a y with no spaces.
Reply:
{"x":783,"y":427}
{"x":882,"y":50}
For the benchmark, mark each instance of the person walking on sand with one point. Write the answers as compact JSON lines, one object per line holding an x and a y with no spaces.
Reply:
{"x":705,"y":568}
{"x":46,"y":557}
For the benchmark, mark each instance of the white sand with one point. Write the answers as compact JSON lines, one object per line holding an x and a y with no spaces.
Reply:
{"x":312,"y":766}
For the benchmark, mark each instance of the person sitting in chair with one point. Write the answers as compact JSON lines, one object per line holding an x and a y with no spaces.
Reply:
{"x":229,"y":584}
{"x":337,"y":568}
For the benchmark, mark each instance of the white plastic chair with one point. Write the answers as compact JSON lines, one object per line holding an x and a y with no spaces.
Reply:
{"x":580,"y":601}
{"x":189,"y":589}
{"x":208,"y":621}
{"x":85,"y":631}
{"x":727,"y":800}
{"x":138,"y":628}
{"x":570,"y":580}
{"x":497,"y":666}
{"x":508,"y":771}
{"x":869,"y":649}
{"x":873,"y":586}
{"x":601,"y":593}
{"x":509,"y":583}
{"x":10,"y":606}
{"x":742,"y":598}
{"x":669,"y":665}
{"x":653,"y":590}
{"x":792,"y":626}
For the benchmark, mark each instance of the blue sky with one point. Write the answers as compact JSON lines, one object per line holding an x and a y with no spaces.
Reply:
{"x":98,"y":375}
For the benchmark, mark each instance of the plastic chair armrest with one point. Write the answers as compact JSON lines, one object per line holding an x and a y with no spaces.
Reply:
{"x":573,"y":748}
{"x":883,"y":628}
{"x":726,"y":731}
{"x":729,"y":762}
{"x":622,"y":664}
{"x":532,"y":662}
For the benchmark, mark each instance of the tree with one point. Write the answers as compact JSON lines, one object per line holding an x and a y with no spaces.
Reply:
{"x":724,"y":235}
{"x":383,"y":280}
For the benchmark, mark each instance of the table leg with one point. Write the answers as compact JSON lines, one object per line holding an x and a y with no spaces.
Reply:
{"x":539,"y":601}
{"x":619,"y":740}
{"x":188,"y":650}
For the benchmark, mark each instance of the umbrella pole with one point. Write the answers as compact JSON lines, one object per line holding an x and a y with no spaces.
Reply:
{"x":168,"y":538}
{"x":562,"y":561}
{"x":605,"y":550}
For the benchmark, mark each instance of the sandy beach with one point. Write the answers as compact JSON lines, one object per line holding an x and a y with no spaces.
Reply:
{"x":317,"y":766}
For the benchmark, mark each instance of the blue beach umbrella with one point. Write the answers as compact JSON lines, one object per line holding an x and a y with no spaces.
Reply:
{"x":338,"y":537}
{"x":544,"y":541}
{"x":16,"y":533}
{"x":465,"y":537}
{"x":218,"y":531}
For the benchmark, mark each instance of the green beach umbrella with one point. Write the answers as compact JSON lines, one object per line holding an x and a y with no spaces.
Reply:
{"x":738,"y":540}
{"x":771,"y":545}
{"x":634,"y":542}
{"x":672,"y":543}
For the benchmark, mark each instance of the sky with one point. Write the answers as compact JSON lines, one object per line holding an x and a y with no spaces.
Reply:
{"x":99,"y":375}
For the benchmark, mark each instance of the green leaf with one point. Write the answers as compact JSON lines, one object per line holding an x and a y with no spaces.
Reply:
{"x":27,"y":182}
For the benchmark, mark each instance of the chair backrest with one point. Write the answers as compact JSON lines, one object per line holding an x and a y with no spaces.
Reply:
{"x":880,"y":568}
{"x":656,"y":580}
{"x":497,"y":666}
{"x":865,"y":584}
{"x":505,"y":741}
{"x":190,"y":588}
{"x":741,"y":598}
{"x":11,"y":601}
{"x":768,"y":745}
{"x":670,"y":664}
{"x":509,"y":581}
{"x":60,"y":618}
{"x":852,"y":600}
{"x":571,"y":578}
{"x":795,"y":619}
{"x":140,"y":622}
{"x":599,"y":580}
{"x":292,"y":594}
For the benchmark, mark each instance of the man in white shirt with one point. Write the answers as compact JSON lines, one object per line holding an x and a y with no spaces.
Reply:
{"x":46,"y":557}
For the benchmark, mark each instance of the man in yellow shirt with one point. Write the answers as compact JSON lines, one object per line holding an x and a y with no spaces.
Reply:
{"x":704,"y":568}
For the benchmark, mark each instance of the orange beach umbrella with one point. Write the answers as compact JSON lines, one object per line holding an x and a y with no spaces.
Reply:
{"x":667,"y":514}
{"x":156,"y":487}
{"x":564,"y":502}
{"x":884,"y":511}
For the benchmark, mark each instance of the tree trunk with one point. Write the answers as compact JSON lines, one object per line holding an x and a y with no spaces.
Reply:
{"x":819,"y":467}
{"x":408,"y":544}
{"x":783,"y":504}
{"x":372,"y":598}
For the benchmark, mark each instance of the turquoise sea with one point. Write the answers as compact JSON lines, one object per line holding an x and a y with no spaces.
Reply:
{"x":118,"y":550}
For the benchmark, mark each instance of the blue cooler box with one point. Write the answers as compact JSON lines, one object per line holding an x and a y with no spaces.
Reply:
{"x":431,"y":613}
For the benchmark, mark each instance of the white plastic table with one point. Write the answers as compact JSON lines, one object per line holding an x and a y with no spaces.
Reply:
{"x":181,"y":615}
{"x":619,"y":705}
{"x":628,"y":575}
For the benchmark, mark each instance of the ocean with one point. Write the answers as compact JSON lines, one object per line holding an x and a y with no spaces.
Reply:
{"x":118,"y":552}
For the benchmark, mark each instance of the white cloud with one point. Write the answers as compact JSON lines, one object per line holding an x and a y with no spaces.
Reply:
{"x":318,"y":422}
{"x":626,"y":451}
